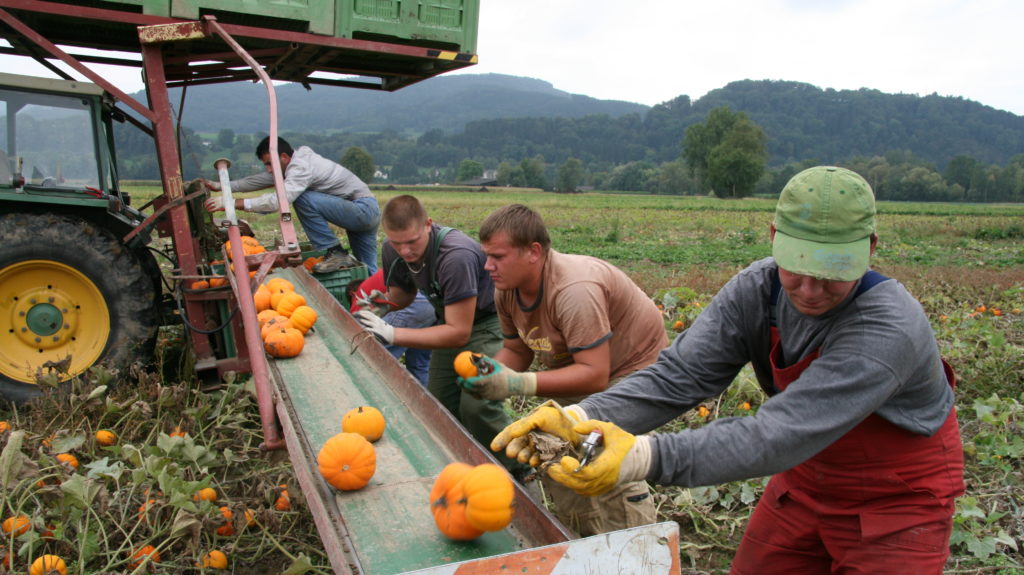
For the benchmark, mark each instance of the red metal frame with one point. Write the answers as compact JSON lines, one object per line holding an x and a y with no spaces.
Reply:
{"x":186,"y":52}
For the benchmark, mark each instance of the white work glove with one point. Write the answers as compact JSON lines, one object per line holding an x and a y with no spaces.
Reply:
{"x":375,"y":325}
{"x":376,"y":301}
{"x":214,"y":204}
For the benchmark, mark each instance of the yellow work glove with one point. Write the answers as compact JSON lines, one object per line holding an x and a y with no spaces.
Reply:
{"x":624,"y":458}
{"x":548,"y":417}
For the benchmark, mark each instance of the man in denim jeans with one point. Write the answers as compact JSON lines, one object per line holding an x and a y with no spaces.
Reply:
{"x":323,"y":193}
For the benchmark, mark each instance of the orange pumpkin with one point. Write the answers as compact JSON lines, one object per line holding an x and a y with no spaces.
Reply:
{"x":17,"y":525}
{"x":218,"y":282}
{"x":347,"y":461}
{"x":276,"y":322}
{"x":283,"y":343}
{"x":311,"y":261}
{"x":262,"y":298}
{"x":303,"y":318}
{"x":265,"y":316}
{"x":105,"y":437}
{"x":465,"y":365}
{"x":68,"y":459}
{"x":47,"y":564}
{"x":228,"y":528}
{"x":200,"y":284}
{"x":489,"y":496}
{"x":140,"y":555}
{"x":288,"y":302}
{"x":448,"y":503}
{"x":279,"y":284}
{"x":364,"y":420}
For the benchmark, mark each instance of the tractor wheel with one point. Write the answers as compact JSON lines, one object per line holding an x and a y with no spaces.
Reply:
{"x":71,"y":296}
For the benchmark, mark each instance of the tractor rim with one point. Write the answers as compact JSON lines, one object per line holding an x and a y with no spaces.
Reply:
{"x":53,"y":315}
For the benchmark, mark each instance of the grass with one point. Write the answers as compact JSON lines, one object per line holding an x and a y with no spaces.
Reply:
{"x":965,"y":263}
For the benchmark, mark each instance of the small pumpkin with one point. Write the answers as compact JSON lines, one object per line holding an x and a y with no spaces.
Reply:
{"x":200,"y":284}
{"x":105,"y":437}
{"x":218,"y":282}
{"x":205,"y":494}
{"x":288,"y":302}
{"x":178,"y":432}
{"x":489,"y":497}
{"x":68,"y":459}
{"x":284,"y":342}
{"x":311,"y":261}
{"x":228,"y":528}
{"x":276,"y":285}
{"x":448,"y":503}
{"x":465,"y":365}
{"x":47,"y":564}
{"x":215,"y":559}
{"x":16,"y":525}
{"x":140,"y":555}
{"x":262,"y":298}
{"x":144,"y":510}
{"x":283,"y":502}
{"x":364,"y":420}
{"x":265,"y":316}
{"x":277,"y":322}
{"x":303,"y":318}
{"x":347,"y":461}
{"x":4,"y":426}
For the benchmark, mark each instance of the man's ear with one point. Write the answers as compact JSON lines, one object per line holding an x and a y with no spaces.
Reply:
{"x":536,"y":251}
{"x":772,"y":235}
{"x":874,"y":244}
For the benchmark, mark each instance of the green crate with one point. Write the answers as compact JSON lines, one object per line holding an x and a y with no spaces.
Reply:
{"x":336,"y":282}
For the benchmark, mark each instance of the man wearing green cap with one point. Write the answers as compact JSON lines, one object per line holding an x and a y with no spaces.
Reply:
{"x":859,"y":430}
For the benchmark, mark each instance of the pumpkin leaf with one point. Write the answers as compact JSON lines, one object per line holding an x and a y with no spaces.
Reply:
{"x":98,"y":391}
{"x":11,"y":459}
{"x":104,"y":468}
{"x":185,"y":524}
{"x":300,"y":565}
{"x":80,"y":491}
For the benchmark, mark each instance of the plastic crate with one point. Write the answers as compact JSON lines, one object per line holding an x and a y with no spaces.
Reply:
{"x":336,"y":282}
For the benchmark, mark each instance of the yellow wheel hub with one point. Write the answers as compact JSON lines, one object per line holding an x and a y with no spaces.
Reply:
{"x":51,"y":317}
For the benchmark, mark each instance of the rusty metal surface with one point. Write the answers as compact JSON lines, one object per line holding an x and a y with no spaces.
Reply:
{"x":387,"y":526}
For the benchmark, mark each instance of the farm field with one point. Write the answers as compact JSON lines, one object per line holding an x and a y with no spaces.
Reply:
{"x":965,"y":263}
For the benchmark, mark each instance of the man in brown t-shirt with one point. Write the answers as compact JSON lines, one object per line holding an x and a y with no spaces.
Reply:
{"x":586,"y":323}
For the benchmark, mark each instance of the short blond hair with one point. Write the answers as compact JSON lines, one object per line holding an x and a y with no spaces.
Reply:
{"x":523,"y":225}
{"x":403,"y":212}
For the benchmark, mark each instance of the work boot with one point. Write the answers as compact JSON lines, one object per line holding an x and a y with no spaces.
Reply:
{"x":336,"y":258}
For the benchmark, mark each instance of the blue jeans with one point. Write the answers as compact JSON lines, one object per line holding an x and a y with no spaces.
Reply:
{"x":416,"y":315}
{"x":359,"y":218}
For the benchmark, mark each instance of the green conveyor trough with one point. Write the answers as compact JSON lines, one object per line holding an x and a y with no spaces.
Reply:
{"x":387,"y":527}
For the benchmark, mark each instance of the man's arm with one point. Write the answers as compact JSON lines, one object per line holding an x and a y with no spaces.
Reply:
{"x":515,"y":354}
{"x":453,"y":333}
{"x":586,"y":375}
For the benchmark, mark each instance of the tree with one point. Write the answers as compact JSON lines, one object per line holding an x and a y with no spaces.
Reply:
{"x":468,"y":170}
{"x":727,"y":153}
{"x":359,"y":162}
{"x":570,"y":176}
{"x":226,"y":139}
{"x":533,"y":173}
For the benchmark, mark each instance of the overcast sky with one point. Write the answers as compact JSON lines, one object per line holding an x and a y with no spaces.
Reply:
{"x":650,"y":51}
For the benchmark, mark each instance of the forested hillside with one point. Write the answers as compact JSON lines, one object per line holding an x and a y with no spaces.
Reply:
{"x":526,"y":130}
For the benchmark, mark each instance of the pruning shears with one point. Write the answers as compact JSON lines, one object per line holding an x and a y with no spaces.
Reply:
{"x":374,"y":299}
{"x":589,"y":445}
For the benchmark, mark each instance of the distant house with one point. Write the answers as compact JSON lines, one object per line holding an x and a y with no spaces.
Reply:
{"x":481,"y":181}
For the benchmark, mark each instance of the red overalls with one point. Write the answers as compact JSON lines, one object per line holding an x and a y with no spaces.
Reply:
{"x":880,"y":500}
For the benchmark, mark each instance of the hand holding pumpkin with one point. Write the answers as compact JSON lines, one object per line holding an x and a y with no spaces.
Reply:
{"x":497,"y":381}
{"x":625,"y":458}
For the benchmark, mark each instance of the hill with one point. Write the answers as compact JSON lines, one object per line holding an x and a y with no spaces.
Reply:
{"x":446,"y":103}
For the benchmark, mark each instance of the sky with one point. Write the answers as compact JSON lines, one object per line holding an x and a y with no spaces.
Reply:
{"x":651,"y":51}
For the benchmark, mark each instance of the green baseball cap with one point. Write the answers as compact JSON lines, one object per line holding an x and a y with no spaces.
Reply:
{"x":823,"y":224}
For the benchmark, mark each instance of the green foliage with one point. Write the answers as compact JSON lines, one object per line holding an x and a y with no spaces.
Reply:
{"x":570,"y":176}
{"x":726,"y":153}
{"x":360,"y":163}
{"x":469,"y":169}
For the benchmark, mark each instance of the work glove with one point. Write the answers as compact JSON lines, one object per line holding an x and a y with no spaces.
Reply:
{"x":548,"y":417}
{"x":625,"y":458}
{"x":214,"y":204}
{"x":385,"y":333}
{"x":375,"y":301}
{"x":497,"y":381}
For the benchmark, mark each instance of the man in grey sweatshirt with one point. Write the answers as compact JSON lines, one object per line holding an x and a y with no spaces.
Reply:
{"x":859,"y":430}
{"x":323,"y":193}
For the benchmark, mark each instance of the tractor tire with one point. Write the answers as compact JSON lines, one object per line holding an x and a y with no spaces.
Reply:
{"x":71,"y":296}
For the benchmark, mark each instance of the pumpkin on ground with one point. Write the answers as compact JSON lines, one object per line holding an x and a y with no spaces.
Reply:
{"x":364,"y":420}
{"x":448,"y":503}
{"x":489,"y":497}
{"x":16,"y":525}
{"x":68,"y":459}
{"x":205,"y":494}
{"x":105,"y":437}
{"x":228,"y":528}
{"x":283,"y":343}
{"x":215,"y":559}
{"x":47,"y":564}
{"x":303,"y":318}
{"x":347,"y":461}
{"x":140,"y":555}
